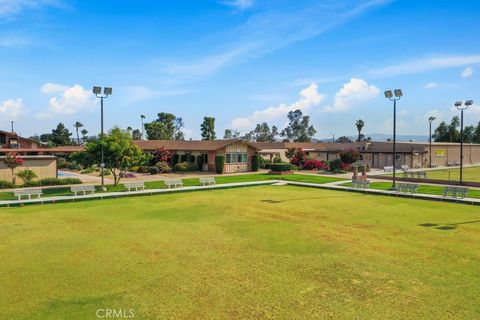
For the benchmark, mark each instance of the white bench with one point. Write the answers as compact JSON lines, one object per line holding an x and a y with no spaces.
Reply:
{"x":360,"y":184}
{"x":388,"y":169}
{"x":27,"y":193}
{"x":405,"y":168}
{"x":207,"y":181}
{"x":134,"y":185}
{"x":174,"y":183}
{"x":406,"y":188}
{"x":455,"y":192}
{"x":83,"y":189}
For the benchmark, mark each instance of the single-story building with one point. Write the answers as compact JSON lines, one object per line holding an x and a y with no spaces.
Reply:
{"x":238,"y":153}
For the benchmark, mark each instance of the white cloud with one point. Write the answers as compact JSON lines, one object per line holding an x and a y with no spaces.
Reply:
{"x":352,"y":93}
{"x":12,"y":109}
{"x":140,"y":93}
{"x":309,"y":97}
{"x":426,"y":64}
{"x":431,"y":85}
{"x":10,"y":8}
{"x":67,"y":100}
{"x":52,"y":88}
{"x":239,"y":4}
{"x":467,"y":72}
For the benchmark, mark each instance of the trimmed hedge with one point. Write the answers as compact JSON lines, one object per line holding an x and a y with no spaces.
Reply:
{"x":279,"y":167}
{"x":53,"y":182}
{"x":256,"y":162}
{"x":219,"y":164}
{"x":153,"y":170}
{"x":185,"y":167}
{"x":6,"y":184}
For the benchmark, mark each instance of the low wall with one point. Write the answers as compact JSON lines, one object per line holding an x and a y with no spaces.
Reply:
{"x":43,"y":166}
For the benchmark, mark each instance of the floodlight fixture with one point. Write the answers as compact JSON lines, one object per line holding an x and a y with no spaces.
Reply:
{"x":398,"y":93}
{"x":97,"y":90}
{"x":107,"y":91}
{"x":388,"y":94}
{"x":468,"y":103}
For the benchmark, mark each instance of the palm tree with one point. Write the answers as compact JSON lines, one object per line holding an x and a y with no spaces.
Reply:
{"x":84,"y":133}
{"x":78,"y":125}
{"x":359,"y":123}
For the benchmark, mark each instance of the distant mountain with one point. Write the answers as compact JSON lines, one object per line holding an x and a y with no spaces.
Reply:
{"x":385,"y":137}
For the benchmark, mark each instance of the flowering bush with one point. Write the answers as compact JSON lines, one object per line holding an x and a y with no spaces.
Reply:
{"x":315,"y":165}
{"x":129,"y":175}
{"x":163,"y":167}
{"x":298,"y":157}
{"x":345,"y":166}
{"x":162,"y":155}
{"x":26,"y":175}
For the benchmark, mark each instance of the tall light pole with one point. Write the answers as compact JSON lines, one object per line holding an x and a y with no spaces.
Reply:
{"x":98,"y":93}
{"x":390,"y":95}
{"x":462,"y":106}
{"x":430,"y":120}
{"x":142,"y":117}
{"x":333,"y":137}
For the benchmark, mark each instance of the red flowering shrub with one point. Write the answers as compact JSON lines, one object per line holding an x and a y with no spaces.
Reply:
{"x":12,"y":161}
{"x":345,"y":166}
{"x":298,"y":157}
{"x":350,"y":156}
{"x":315,"y":165}
{"x":162,"y":155}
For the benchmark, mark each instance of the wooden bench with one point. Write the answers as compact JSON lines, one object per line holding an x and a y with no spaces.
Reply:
{"x":83,"y":189}
{"x":455,"y":192}
{"x":406,"y":188}
{"x":27,"y":193}
{"x":134,"y":185}
{"x":207,"y":181}
{"x":174,"y":183}
{"x":388,"y":169}
{"x":361,"y":184}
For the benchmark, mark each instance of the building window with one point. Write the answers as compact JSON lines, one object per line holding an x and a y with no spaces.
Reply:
{"x":3,"y":138}
{"x":236,"y":158}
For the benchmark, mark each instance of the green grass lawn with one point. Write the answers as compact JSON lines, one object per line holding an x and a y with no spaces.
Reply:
{"x":65,"y":191}
{"x":269,"y":252}
{"x":426,"y":189}
{"x":469,"y":174}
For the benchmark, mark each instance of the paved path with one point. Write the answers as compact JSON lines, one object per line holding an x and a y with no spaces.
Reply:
{"x":107,"y":195}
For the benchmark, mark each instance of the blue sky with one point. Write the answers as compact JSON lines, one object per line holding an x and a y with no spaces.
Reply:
{"x":241,"y":61}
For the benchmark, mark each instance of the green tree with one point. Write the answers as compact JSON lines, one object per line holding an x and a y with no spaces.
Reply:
{"x":77,"y":126}
{"x":230,"y":134}
{"x":208,"y":128}
{"x":476,"y":134}
{"x":119,"y":153}
{"x":360,"y":124}
{"x":166,"y":127}
{"x":468,"y":134}
{"x":441,"y":133}
{"x":12,"y":161}
{"x":84,"y":133}
{"x":344,"y":139}
{"x":136,"y":134}
{"x":298,"y":128}
{"x":453,"y":133}
{"x":61,"y":135}
{"x":263,"y":133}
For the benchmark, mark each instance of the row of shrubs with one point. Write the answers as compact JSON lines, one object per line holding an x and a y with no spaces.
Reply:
{"x":41,"y":183}
{"x":163,"y":167}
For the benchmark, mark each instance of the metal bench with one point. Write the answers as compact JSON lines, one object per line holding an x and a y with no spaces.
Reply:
{"x":361,"y":184}
{"x":455,"y":192}
{"x":406,"y":188}
{"x":405,"y":168}
{"x":174,"y":183}
{"x":207,"y":181}
{"x":134,"y":185}
{"x":27,"y":193}
{"x":388,"y":169}
{"x":415,"y":174}
{"x":83,"y":189}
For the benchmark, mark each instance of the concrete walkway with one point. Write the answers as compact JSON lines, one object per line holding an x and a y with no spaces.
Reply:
{"x":106,"y":195}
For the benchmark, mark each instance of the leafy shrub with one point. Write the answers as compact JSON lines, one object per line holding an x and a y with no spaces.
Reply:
{"x":134,"y":168}
{"x":129,"y":175}
{"x":335,"y":165}
{"x":162,"y":155}
{"x":185,"y":166}
{"x":267,"y":165}
{"x":261,"y":162}
{"x":62,"y":163}
{"x":88,"y":170}
{"x":294,"y":167}
{"x":255,"y":162}
{"x":163,"y":167}
{"x":143,"y":169}
{"x":277,"y":159}
{"x":280,"y":167}
{"x":26,"y":175}
{"x":298,"y":157}
{"x":106,"y":172}
{"x":175,"y":158}
{"x":73,"y":166}
{"x":154,"y":170}
{"x":314,"y":164}
{"x":219,"y":164}
{"x":6,"y":184}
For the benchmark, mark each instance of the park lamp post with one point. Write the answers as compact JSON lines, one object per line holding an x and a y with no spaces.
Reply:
{"x":141,"y":118}
{"x":430,"y":120}
{"x":98,"y":93}
{"x":462,"y":106}
{"x":394,"y":96}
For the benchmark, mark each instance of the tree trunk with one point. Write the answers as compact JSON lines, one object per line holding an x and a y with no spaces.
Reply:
{"x":78,"y":137}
